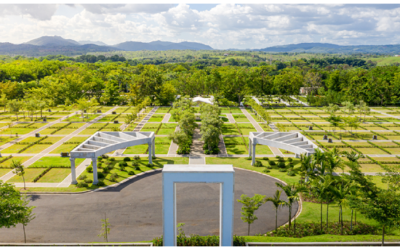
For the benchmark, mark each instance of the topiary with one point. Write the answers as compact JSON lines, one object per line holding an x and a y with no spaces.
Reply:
{"x":282,"y":170}
{"x":136,"y":157}
{"x":269,"y":167}
{"x":135,"y":164}
{"x":247,"y":158}
{"x":99,"y":165}
{"x":265,"y":158}
{"x":258,"y":164}
{"x":114,"y":177}
{"x":136,"y":168}
{"x":266,"y":170}
{"x":131,"y":173}
{"x":82,"y":177}
{"x":112,"y":159}
{"x":88,"y":181}
{"x":100,"y":183}
{"x":291,"y":173}
{"x":150,"y":165}
{"x":124,"y":164}
{"x":271,"y":163}
{"x":81,"y":185}
{"x":89,"y":169}
{"x":290,"y":159}
{"x":100,"y":175}
{"x":127,"y":159}
{"x":281,"y":165}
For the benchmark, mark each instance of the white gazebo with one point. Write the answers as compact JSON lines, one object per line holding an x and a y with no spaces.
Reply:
{"x":101,"y":143}
{"x":198,"y":99}
{"x":291,"y":141}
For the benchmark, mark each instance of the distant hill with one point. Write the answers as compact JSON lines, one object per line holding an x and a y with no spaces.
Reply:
{"x":92,"y":42}
{"x":333,"y":48}
{"x":30,"y":50}
{"x":52,"y":40}
{"x":160,"y":45}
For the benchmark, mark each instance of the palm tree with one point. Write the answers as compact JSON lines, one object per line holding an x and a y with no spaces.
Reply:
{"x":321,"y":188}
{"x":277,"y":203}
{"x":307,"y":165}
{"x":340,"y":193}
{"x":333,"y":161}
{"x":291,"y":193}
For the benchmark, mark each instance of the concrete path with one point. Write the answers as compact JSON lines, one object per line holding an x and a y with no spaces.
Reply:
{"x":173,"y":147}
{"x":134,"y":209}
{"x":166,"y":118}
{"x":79,"y":170}
{"x":230,"y":118}
{"x":383,"y":113}
{"x":22,"y":137}
{"x":46,"y":151}
{"x":196,"y":155}
{"x":221,"y":146}
{"x":305,"y":104}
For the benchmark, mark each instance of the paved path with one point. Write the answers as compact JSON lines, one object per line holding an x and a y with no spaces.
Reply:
{"x":46,"y":151}
{"x":173,"y":147}
{"x":134,"y":210}
{"x":166,"y":118}
{"x":383,"y":113}
{"x":196,"y":155}
{"x":293,"y":97}
{"x":230,"y":118}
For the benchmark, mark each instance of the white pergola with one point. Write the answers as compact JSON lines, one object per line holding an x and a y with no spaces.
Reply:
{"x":204,"y":100}
{"x":101,"y":143}
{"x":291,"y":141}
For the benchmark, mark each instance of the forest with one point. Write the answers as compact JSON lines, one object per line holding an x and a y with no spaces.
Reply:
{"x":115,"y":80}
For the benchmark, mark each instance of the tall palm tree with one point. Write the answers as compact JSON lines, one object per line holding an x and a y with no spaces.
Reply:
{"x":291,"y":193}
{"x":277,"y":203}
{"x":321,"y":188}
{"x":18,"y":170}
{"x":333,"y":162}
{"x":340,"y":193}
{"x":307,"y":165}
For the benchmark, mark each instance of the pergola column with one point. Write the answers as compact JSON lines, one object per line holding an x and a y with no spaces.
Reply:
{"x":94,"y":163}
{"x":73,"y":172}
{"x":253,"y":159}
{"x":150,"y":157}
{"x":249,"y":147}
{"x":153,"y":144}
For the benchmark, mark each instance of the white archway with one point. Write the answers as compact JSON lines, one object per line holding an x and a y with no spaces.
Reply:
{"x":291,"y":141}
{"x":101,"y":143}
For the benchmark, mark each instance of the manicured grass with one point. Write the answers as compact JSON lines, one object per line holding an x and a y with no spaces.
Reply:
{"x":78,"y":118}
{"x":156,"y":118}
{"x":225,"y":111}
{"x":16,"y":147}
{"x":6,"y":139}
{"x":167,"y":129}
{"x":4,"y":171}
{"x":163,"y":110}
{"x":162,"y":145}
{"x":240,"y":118}
{"x":139,"y":149}
{"x":22,"y":131}
{"x":371,"y":151}
{"x":55,"y":161}
{"x":16,"y":159}
{"x":37,"y":148}
{"x":246,"y":128}
{"x":246,"y":164}
{"x":263,"y":150}
{"x":68,"y":147}
{"x":230,"y":129}
{"x":30,"y":175}
{"x":235,"y":110}
{"x":108,"y":118}
{"x":150,"y":127}
{"x":111,"y":127}
{"x":55,"y":175}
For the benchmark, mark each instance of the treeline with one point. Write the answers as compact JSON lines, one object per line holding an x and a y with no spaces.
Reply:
{"x":119,"y":82}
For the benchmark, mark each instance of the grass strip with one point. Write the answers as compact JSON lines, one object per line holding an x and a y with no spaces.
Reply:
{"x":373,"y":144}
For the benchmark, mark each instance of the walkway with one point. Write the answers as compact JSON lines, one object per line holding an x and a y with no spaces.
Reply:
{"x":305,"y":104}
{"x":383,"y":113}
{"x":196,"y":155}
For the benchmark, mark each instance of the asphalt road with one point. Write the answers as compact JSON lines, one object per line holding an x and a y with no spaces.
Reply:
{"x":134,"y":210}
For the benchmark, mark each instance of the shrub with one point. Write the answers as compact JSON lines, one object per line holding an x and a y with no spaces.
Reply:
{"x":265,"y":158}
{"x":99,"y":165}
{"x":89,"y":169}
{"x":114,"y":177}
{"x":123,"y":164}
{"x":81,"y":185}
{"x":136,"y":157}
{"x":136,"y":167}
{"x":269,"y":167}
{"x":150,"y":165}
{"x":206,"y":152}
{"x":266,"y":170}
{"x":127,"y":159}
{"x":82,"y":177}
{"x":247,"y":158}
{"x":258,"y":164}
{"x":131,"y":173}
{"x":112,"y":159}
{"x":135,"y":164}
{"x":271,"y":163}
{"x":106,"y":170}
{"x":101,"y":183}
{"x":282,"y":170}
{"x":281,"y":165}
{"x":104,"y":156}
{"x":100,"y":175}
{"x":290,"y":159}
{"x":88,"y":181}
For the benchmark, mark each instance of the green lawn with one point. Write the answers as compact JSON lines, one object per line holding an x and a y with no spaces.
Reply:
{"x":162,"y":145}
{"x":156,"y":118}
{"x":30,"y":175}
{"x":6,"y":139}
{"x":16,"y":147}
{"x":14,"y":158}
{"x":55,"y":175}
{"x":4,"y":171}
{"x":166,"y":129}
{"x":37,"y":148}
{"x":263,"y":150}
{"x":230,"y":129}
{"x":18,"y":129}
{"x":163,"y":110}
{"x":139,"y":149}
{"x":246,"y":128}
{"x":68,"y":147}
{"x":240,"y":118}
{"x":78,"y":118}
{"x":55,"y":161}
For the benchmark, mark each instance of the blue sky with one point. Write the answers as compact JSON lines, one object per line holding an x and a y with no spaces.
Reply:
{"x":221,"y":26}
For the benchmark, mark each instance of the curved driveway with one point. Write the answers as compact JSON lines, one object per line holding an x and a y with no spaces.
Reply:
{"x":134,"y":210}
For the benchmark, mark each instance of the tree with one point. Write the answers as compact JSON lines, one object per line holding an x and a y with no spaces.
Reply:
{"x":14,"y":106}
{"x":167,"y":94}
{"x":18,"y":170}
{"x":250,"y":205}
{"x":105,"y":228}
{"x":187,"y":123}
{"x":340,"y":193}
{"x":277,"y":203}
{"x":14,"y":208}
{"x":321,"y":188}
{"x":28,"y":214}
{"x":83,"y":105}
{"x":391,"y":176}
{"x":291,"y":193}
{"x":3,"y":101}
{"x":384,"y":208}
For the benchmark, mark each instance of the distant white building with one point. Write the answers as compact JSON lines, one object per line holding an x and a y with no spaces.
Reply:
{"x":199,"y":99}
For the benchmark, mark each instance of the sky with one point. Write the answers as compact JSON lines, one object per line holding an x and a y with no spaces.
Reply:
{"x":222,"y":26}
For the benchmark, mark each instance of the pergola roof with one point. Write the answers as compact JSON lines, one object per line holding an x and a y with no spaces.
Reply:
{"x":205,"y":100}
{"x":291,"y":141}
{"x":104,"y":142}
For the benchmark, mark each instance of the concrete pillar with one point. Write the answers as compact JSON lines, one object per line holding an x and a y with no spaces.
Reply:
{"x":94,"y":163}
{"x":73,"y":172}
{"x":154,"y":147}
{"x":150,"y":157}
{"x":249,"y":147}
{"x":253,"y":159}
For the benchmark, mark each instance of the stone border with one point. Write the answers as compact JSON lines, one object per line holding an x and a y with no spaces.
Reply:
{"x":314,"y":244}
{"x":150,"y":244}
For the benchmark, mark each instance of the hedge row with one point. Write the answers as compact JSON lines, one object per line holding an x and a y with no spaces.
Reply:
{"x":33,"y":143}
{"x":41,"y":174}
{"x":55,"y":131}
